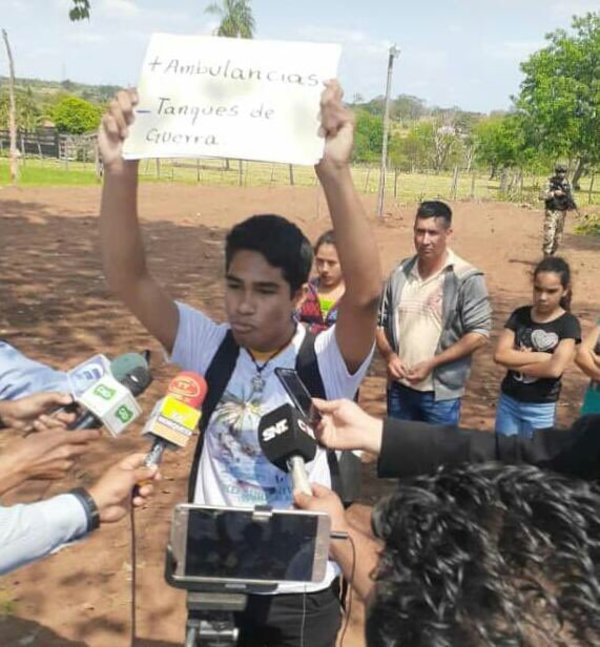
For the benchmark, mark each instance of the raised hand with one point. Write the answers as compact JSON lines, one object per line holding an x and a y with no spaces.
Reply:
{"x":114,"y":127}
{"x":337,"y":126}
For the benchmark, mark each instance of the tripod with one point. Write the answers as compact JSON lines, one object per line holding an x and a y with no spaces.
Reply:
{"x":210,"y":618}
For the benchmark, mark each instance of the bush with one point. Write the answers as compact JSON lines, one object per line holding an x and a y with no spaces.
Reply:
{"x":76,"y":116}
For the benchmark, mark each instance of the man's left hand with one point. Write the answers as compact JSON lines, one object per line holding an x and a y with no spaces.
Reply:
{"x":419,"y":372}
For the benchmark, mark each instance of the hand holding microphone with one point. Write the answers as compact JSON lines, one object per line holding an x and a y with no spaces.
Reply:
{"x":29,"y":413}
{"x":110,"y":402}
{"x":112,"y":492}
{"x":284,"y":437}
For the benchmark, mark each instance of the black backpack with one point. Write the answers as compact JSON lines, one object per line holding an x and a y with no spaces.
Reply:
{"x":345,"y":471}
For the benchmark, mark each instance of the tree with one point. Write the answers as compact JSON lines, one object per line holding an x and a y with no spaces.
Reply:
{"x":408,"y":108}
{"x":76,"y":116}
{"x":368,"y":137}
{"x":28,"y":112}
{"x":560,"y":94}
{"x":80,"y":10}
{"x":236,"y":17}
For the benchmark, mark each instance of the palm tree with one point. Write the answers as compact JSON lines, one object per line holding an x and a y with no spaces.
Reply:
{"x":237,"y":21}
{"x":236,"y":17}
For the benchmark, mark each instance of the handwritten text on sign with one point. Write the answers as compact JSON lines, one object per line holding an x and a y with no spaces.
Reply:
{"x":203,"y":96}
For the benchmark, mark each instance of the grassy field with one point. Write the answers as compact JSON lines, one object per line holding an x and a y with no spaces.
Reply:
{"x":403,"y":188}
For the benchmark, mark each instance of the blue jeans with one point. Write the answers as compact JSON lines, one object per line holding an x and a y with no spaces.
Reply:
{"x":405,"y":403}
{"x":514,"y":417}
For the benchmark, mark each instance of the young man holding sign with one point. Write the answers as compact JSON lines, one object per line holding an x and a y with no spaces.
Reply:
{"x":267,"y":263}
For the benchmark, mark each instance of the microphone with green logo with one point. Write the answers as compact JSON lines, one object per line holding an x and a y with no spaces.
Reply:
{"x":110,"y":402}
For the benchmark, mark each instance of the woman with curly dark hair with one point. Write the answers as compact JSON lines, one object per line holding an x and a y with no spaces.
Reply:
{"x":479,"y":555}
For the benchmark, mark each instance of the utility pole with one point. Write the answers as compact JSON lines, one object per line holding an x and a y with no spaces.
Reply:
{"x":394,"y":51}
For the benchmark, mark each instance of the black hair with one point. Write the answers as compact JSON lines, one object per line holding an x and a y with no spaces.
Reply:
{"x":326,"y":238}
{"x":487,"y":555}
{"x":280,"y":241}
{"x":557,"y":265}
{"x":435,"y":209}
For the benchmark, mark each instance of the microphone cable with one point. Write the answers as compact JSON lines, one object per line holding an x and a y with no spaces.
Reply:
{"x":348,"y":609}
{"x":133,"y":596}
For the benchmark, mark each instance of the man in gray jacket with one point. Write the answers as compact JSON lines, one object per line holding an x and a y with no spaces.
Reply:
{"x":435,"y":313}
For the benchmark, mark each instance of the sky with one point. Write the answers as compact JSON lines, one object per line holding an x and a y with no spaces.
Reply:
{"x":462,"y":53}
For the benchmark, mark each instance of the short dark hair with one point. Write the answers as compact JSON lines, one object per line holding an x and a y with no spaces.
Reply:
{"x":280,"y":241}
{"x":487,"y":555}
{"x":326,"y":238}
{"x":435,"y":209}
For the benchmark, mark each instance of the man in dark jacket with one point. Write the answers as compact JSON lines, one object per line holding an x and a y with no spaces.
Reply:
{"x":410,"y":448}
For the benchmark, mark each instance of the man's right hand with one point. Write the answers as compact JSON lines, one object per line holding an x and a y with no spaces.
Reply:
{"x":344,"y":425}
{"x":114,"y":128}
{"x":396,"y":370}
{"x":31,"y":412}
{"x":112,"y":493}
{"x":43,"y":455}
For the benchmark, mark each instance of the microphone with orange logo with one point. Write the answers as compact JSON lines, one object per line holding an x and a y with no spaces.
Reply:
{"x":175,"y":417}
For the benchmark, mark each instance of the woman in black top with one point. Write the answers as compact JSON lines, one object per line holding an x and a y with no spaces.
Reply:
{"x":537,"y":344}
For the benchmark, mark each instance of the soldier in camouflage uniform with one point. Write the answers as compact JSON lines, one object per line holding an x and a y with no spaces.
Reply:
{"x":558,"y":200}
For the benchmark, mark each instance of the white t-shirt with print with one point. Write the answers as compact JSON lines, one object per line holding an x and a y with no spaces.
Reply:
{"x":233,"y":471}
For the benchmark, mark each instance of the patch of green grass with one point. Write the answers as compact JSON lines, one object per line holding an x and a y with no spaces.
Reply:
{"x":49,"y":173}
{"x":400,"y":188}
{"x":589,"y":224}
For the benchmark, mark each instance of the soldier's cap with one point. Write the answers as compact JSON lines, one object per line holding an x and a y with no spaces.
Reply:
{"x":560,"y":168}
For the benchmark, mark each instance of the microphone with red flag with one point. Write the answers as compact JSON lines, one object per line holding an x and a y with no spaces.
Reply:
{"x":175,"y":417}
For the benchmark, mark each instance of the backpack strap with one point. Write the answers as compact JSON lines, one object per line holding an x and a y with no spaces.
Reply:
{"x":217,"y":377}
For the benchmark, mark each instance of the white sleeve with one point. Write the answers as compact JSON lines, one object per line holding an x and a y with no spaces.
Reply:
{"x":198,"y":338}
{"x":338,"y":382}
{"x":31,"y":531}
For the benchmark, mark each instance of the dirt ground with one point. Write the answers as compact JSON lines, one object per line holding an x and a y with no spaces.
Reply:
{"x":56,"y":307}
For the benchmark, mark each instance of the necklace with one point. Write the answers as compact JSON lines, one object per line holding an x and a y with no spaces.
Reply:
{"x":258,"y":381}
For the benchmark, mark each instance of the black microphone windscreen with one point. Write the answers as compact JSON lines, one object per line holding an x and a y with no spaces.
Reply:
{"x":283,"y":433}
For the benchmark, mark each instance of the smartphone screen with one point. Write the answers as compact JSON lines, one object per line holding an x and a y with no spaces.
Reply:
{"x":298,"y":393}
{"x":233,"y":544}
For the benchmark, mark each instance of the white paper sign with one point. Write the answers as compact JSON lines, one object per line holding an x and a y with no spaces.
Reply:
{"x":204,"y":96}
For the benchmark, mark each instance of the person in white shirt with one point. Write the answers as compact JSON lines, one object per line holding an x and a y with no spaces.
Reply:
{"x":267,"y":264}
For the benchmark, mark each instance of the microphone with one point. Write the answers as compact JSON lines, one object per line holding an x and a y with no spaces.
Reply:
{"x":175,"y":417}
{"x":285,"y":439}
{"x":87,"y":373}
{"x":110,"y":402}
